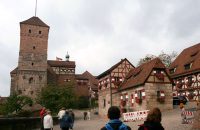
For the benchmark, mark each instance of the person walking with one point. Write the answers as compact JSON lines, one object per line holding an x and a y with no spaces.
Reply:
{"x":48,"y":121}
{"x":88,"y":114}
{"x":85,"y":115}
{"x":72,"y":115}
{"x":115,"y":123}
{"x":66,"y":122}
{"x":42,"y":114}
{"x":153,"y":121}
{"x":61,"y":113}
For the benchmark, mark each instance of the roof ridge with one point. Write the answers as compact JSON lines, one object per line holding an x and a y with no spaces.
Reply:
{"x":34,"y":21}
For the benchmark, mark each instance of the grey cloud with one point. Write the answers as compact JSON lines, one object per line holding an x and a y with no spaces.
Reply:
{"x":184,"y":21}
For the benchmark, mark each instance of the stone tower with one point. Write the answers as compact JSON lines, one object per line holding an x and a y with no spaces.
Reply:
{"x":31,"y":73}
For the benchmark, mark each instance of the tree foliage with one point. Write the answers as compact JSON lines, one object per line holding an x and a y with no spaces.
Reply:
{"x":167,"y":59}
{"x":55,"y":97}
{"x":15,"y":103}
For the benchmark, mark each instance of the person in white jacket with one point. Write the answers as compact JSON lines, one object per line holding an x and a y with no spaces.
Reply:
{"x":61,"y":113}
{"x":48,"y":121}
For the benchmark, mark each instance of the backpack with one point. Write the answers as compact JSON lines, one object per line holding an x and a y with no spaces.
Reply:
{"x":121,"y":127}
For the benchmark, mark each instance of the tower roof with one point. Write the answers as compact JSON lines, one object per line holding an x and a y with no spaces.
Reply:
{"x":34,"y":21}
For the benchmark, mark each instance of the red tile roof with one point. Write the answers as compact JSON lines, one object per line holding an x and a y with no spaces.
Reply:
{"x":55,"y":63}
{"x":112,"y":68}
{"x":188,"y":55}
{"x":138,"y":76}
{"x":92,"y":79}
{"x":80,"y":77}
{"x":34,"y":21}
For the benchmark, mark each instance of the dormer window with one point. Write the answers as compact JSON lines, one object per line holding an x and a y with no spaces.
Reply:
{"x":188,"y":66}
{"x":171,"y":71}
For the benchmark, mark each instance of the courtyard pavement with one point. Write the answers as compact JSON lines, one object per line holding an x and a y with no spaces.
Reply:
{"x":171,"y":120}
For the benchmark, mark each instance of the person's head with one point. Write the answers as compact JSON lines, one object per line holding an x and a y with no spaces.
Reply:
{"x":154,"y":115}
{"x":67,"y":112}
{"x":49,"y":112}
{"x":63,"y":108}
{"x":113,"y":113}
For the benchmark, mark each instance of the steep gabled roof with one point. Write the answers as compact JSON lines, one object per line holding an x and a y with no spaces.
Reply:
{"x":138,"y":76}
{"x":34,"y":21}
{"x":187,"y":56}
{"x":55,"y":63}
{"x":112,"y":68}
{"x":92,"y":79}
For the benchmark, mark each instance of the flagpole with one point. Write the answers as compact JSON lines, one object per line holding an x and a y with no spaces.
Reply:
{"x":35,"y":8}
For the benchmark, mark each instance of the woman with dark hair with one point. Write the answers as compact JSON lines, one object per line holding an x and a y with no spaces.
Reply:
{"x":153,"y":121}
{"x":115,"y":123}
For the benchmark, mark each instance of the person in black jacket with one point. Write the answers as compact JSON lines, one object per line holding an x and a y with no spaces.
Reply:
{"x":115,"y":123}
{"x":153,"y":121}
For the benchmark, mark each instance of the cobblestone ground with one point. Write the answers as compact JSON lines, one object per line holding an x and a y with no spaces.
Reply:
{"x":171,"y":120}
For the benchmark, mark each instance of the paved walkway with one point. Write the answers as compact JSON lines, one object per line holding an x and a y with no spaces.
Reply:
{"x":171,"y":121}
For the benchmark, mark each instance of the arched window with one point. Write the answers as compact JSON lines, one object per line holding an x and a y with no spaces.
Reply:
{"x":30,"y":80}
{"x":40,"y":78}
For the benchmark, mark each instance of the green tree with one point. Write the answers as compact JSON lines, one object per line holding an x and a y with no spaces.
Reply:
{"x":83,"y":102}
{"x":15,"y":103}
{"x":167,"y":59}
{"x":55,"y":97}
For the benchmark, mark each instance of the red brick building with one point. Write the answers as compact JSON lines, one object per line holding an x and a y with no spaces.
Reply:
{"x":34,"y":71}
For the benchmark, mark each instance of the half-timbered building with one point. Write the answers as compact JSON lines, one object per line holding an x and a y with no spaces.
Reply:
{"x":145,"y":87}
{"x":185,"y":72}
{"x":140,"y":88}
{"x":108,"y":83}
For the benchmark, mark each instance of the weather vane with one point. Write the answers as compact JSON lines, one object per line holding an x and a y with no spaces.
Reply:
{"x":35,"y":7}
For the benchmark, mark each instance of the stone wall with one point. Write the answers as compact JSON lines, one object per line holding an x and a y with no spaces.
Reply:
{"x":104,"y":102}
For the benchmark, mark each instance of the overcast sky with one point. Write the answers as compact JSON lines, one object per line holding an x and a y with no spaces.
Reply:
{"x":99,"y":33}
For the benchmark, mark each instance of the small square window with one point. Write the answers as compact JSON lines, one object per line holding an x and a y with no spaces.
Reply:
{"x":171,"y":71}
{"x":104,"y":102}
{"x":40,"y":32}
{"x":188,"y":66}
{"x":32,"y":64}
{"x":33,"y":47}
{"x":29,"y":30}
{"x":40,"y":78}
{"x":31,"y":92}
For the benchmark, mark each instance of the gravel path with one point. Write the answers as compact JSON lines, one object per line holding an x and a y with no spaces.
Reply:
{"x":171,"y":120}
